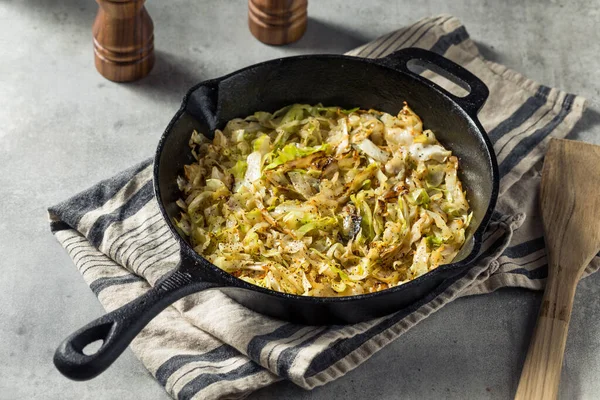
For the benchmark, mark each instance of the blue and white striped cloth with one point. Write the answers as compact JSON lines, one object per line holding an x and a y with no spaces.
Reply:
{"x":206,"y":346}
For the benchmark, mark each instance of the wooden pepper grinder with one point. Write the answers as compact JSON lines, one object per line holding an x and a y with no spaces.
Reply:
{"x":277,"y":22}
{"x":123,"y":40}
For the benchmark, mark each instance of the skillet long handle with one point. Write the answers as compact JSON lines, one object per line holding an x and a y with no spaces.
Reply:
{"x":117,"y":329}
{"x":541,"y":373}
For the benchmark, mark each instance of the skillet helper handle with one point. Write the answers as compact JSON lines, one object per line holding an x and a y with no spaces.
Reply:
{"x":478,"y":91}
{"x":117,"y":329}
{"x":540,"y":376}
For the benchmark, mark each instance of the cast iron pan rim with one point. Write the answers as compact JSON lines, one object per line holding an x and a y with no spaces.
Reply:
{"x":228,"y":280}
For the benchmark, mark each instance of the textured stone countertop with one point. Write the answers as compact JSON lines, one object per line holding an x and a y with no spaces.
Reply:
{"x":64,"y":127}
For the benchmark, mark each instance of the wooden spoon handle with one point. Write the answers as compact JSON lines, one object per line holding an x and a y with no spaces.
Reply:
{"x":541,"y":373}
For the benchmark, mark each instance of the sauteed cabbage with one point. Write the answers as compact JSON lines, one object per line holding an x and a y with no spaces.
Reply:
{"x":323,"y":201}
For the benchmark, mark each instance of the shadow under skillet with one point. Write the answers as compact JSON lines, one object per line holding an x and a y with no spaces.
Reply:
{"x":432,"y":363}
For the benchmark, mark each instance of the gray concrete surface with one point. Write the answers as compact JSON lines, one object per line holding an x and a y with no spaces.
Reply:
{"x":63,"y":127}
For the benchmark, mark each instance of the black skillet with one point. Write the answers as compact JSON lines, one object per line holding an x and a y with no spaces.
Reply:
{"x":382,"y":84}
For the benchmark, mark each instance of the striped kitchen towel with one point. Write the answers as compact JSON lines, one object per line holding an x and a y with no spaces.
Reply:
{"x":206,"y":346}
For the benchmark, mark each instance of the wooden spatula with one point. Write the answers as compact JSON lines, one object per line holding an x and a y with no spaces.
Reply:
{"x":570,"y":205}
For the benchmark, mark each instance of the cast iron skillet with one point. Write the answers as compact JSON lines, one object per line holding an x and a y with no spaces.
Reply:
{"x":382,"y":84}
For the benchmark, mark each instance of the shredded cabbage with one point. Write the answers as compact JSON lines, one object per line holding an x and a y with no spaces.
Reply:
{"x":323,"y":201}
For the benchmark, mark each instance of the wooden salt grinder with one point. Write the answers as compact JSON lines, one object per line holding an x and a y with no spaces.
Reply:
{"x":277,"y":22}
{"x":123,"y":40}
